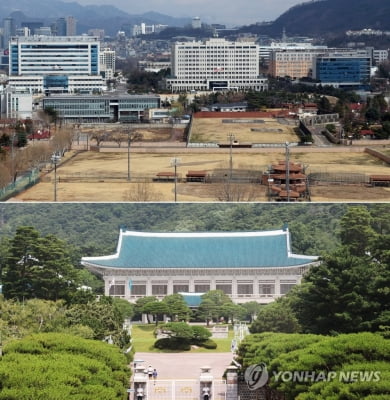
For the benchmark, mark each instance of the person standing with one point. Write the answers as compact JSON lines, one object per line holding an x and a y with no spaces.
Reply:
{"x":154,"y":375}
{"x":140,"y":393}
{"x":150,"y":372}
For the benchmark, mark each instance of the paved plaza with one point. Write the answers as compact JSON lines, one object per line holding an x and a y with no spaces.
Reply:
{"x":185,"y":365}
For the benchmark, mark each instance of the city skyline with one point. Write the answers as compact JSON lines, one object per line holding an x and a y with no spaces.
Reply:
{"x":231,"y":13}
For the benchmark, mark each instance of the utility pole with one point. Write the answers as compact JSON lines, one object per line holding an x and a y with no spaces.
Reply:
{"x":175,"y":162}
{"x":231,"y":137}
{"x":55,"y":159}
{"x":287,"y":172}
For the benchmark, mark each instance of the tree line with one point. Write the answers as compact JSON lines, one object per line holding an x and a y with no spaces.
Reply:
{"x":335,"y":326}
{"x":93,"y":229}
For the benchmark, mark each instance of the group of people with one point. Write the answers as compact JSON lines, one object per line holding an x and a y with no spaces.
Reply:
{"x":152,"y":373}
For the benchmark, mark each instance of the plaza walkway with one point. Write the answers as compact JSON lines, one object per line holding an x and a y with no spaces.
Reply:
{"x":185,"y":365}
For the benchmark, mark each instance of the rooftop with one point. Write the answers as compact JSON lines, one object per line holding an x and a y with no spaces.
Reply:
{"x":201,"y":250}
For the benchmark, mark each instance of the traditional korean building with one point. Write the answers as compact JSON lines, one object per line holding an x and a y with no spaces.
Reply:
{"x":247,"y":266}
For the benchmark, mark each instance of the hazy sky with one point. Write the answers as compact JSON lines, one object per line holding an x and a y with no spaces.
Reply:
{"x":230,"y":12}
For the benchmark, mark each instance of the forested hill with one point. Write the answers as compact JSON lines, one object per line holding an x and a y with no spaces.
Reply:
{"x":93,"y":228}
{"x":330,"y":18}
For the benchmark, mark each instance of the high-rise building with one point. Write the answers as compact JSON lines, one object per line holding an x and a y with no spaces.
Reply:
{"x":61,"y":27}
{"x":196,"y":23}
{"x":8,"y":31}
{"x":107,"y":63}
{"x":71,"y":26}
{"x":55,"y":64}
{"x":215,"y":64}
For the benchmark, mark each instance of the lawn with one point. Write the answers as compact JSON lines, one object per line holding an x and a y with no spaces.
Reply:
{"x":143,"y":340}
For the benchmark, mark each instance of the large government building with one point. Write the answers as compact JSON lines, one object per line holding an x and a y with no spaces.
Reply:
{"x":247,"y":266}
{"x":215,"y":64}
{"x":55,"y":64}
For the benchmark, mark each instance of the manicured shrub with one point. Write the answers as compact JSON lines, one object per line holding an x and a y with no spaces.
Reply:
{"x":209,"y":344}
{"x":172,"y":344}
{"x":59,"y":366}
{"x":362,"y":353}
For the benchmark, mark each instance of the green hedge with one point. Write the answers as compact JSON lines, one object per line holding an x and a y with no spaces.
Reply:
{"x":367,"y":354}
{"x":57,"y":366}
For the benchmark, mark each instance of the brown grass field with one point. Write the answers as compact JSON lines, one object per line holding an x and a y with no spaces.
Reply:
{"x":94,"y":176}
{"x":216,"y":130}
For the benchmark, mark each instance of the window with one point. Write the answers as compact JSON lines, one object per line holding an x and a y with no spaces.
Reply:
{"x":159,"y":290}
{"x":286,"y":287}
{"x":202,"y":288}
{"x":116,"y":288}
{"x":138,"y":290}
{"x":180,"y":288}
{"x":244,"y":288}
{"x":267,"y":288}
{"x":226,"y":288}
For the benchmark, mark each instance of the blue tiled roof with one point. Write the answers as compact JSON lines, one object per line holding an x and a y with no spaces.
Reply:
{"x":201,"y":250}
{"x":192,"y":299}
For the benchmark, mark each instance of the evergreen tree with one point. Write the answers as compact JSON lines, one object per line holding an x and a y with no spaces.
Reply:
{"x":38,"y":267}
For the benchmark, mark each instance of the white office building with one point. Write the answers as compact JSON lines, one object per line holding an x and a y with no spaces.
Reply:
{"x":107,"y":63}
{"x":55,"y":64}
{"x":215,"y":64}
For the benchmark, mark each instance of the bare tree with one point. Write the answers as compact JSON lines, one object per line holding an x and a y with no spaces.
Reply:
{"x":17,"y":163}
{"x":99,"y":137}
{"x":5,"y":175}
{"x":38,"y":154}
{"x":118,"y":138}
{"x":62,"y":140}
{"x":232,"y":191}
{"x":141,"y":192}
{"x":132,"y":135}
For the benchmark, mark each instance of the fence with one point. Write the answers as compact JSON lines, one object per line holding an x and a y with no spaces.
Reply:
{"x":22,"y":183}
{"x":182,"y":390}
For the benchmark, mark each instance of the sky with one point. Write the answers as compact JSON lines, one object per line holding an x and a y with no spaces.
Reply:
{"x":229,"y":12}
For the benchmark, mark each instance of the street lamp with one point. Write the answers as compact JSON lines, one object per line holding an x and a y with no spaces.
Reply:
{"x":231,"y":137}
{"x":55,"y":159}
{"x":12,"y":158}
{"x":175,"y":162}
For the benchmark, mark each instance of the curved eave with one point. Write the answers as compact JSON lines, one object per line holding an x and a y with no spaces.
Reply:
{"x":102,"y":269}
{"x":215,"y":250}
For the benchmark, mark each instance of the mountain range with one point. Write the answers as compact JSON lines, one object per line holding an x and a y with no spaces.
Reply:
{"x":107,"y":17}
{"x":317,"y":17}
{"x":330,"y":18}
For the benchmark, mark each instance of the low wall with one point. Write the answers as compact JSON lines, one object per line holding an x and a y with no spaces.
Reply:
{"x":378,"y":154}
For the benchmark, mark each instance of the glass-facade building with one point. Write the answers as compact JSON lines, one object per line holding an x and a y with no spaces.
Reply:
{"x":55,"y":64}
{"x":106,"y":108}
{"x":343,"y":70}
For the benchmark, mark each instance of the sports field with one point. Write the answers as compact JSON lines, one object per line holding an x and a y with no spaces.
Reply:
{"x":94,"y":176}
{"x":244,"y":130}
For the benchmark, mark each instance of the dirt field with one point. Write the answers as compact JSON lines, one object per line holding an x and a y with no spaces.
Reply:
{"x":92,"y":176}
{"x":267,"y":130}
